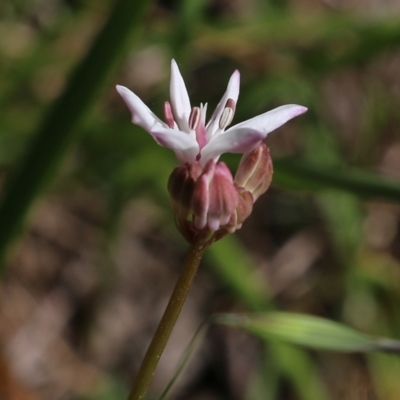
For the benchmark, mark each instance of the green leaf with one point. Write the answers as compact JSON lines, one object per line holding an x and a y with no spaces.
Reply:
{"x":309,"y":331}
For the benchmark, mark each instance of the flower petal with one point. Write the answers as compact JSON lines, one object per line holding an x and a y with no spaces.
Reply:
{"x":179,"y":97}
{"x":141,"y":114}
{"x":271,"y":120}
{"x":184,"y":145}
{"x":236,"y":141}
{"x":232,"y":92}
{"x":223,"y":197}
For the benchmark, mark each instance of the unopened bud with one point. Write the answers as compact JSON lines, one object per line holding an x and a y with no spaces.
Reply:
{"x":214,"y":198}
{"x":242,"y":211}
{"x":206,"y":202}
{"x":255,"y":171}
{"x":181,"y":184}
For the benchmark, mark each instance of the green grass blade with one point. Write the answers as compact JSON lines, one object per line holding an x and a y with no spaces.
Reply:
{"x":233,"y":266}
{"x":308,"y":331}
{"x":298,"y":174}
{"x":58,"y":130}
{"x":185,"y":358}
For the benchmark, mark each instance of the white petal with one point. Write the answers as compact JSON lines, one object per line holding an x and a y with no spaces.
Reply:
{"x":141,"y":114}
{"x":236,"y":141}
{"x":179,"y":97}
{"x":184,"y":145}
{"x":271,"y":120}
{"x":232,"y":92}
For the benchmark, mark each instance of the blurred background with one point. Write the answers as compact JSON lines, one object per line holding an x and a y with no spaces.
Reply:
{"x":89,"y":249}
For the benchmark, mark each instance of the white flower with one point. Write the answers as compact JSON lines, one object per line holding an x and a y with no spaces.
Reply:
{"x":186,"y":132}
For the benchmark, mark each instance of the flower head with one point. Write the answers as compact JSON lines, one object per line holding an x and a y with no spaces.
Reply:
{"x":186,"y":131}
{"x":207,"y":201}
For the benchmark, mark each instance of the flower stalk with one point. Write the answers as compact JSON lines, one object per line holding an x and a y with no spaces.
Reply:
{"x":208,"y":202}
{"x":167,"y":323}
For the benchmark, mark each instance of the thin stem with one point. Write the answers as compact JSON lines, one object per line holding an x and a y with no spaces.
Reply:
{"x":167,"y":323}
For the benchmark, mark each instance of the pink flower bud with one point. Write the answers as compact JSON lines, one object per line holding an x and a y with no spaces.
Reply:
{"x":242,"y":211}
{"x":181,"y":184}
{"x":215,"y":197}
{"x":206,"y":202}
{"x":255,"y":171}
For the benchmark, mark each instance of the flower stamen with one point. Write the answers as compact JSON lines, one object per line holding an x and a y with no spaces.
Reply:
{"x":168,"y":115}
{"x":194,"y":118}
{"x":227,"y":114}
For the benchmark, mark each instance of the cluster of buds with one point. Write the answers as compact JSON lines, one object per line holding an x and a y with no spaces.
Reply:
{"x":209,"y":203}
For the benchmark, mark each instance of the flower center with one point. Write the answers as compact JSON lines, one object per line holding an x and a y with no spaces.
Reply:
{"x":196,"y":123}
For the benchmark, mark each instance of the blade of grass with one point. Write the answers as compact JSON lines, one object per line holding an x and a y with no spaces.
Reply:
{"x":235,"y":268}
{"x":370,"y":39}
{"x":308,"y":331}
{"x":297,"y":174}
{"x":322,"y":44}
{"x":185,"y":358}
{"x":58,"y":131}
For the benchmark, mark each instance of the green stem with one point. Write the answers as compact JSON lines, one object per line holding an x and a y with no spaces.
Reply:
{"x":167,"y":323}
